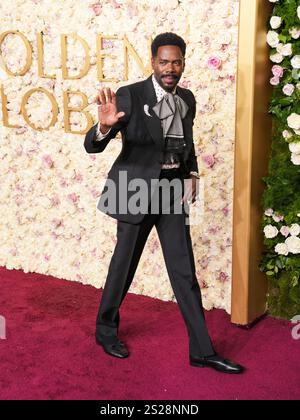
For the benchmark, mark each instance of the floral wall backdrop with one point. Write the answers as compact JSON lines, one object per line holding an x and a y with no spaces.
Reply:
{"x":281,"y":200}
{"x":50,"y":187}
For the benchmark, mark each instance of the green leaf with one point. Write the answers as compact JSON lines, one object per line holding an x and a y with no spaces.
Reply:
{"x":270,"y":273}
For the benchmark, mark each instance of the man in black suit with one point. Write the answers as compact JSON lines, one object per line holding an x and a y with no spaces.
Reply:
{"x":155,"y":118}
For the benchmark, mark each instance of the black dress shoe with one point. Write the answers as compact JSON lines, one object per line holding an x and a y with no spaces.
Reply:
{"x":116,"y":348}
{"x":216,"y":362}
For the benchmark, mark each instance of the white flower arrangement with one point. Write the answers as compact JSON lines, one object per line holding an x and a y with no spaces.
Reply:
{"x":270,"y":231}
{"x":281,"y":51}
{"x":291,"y":233}
{"x":50,"y":186}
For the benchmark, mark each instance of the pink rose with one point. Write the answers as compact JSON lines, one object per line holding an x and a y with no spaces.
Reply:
{"x":277,"y":71}
{"x":63,"y":182}
{"x":95,"y":193}
{"x":47,"y":161}
{"x":225,"y":210}
{"x":204,"y":262}
{"x":78,"y":177}
{"x":209,"y":160}
{"x":56,"y":223}
{"x":224,"y":47}
{"x":214,"y":63}
{"x":107,"y":43}
{"x":19,"y":150}
{"x":202,"y":283}
{"x":115,"y":4}
{"x":185,"y":84}
{"x":55,"y":201}
{"x":206,"y":40}
{"x":154,"y":245}
{"x":132,"y":11}
{"x":223,"y":277}
{"x":19,"y":200}
{"x":74,"y":198}
{"x":275,"y":81}
{"x":78,"y":238}
{"x":97,"y":9}
{"x":213,"y":230}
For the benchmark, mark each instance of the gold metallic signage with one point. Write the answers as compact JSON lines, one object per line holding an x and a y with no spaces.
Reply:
{"x":101,"y":55}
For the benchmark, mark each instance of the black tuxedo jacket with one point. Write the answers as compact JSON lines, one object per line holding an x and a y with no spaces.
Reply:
{"x":142,"y":141}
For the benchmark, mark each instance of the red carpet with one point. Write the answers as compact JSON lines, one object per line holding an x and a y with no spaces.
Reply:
{"x":50,"y":353}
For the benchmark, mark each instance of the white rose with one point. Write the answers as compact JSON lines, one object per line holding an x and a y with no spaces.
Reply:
{"x":224,"y":38}
{"x":277,"y":217}
{"x":270,"y":231}
{"x":293,"y":244}
{"x":282,"y":249}
{"x":298,"y":12}
{"x":207,"y":126}
{"x":273,"y":1}
{"x":275,"y":22}
{"x":286,"y":134}
{"x":295,"y":61}
{"x":284,"y":49}
{"x":285,"y":231}
{"x":273,"y":39}
{"x":295,"y":159}
{"x":295,"y":33}
{"x":269,"y":212}
{"x":294,"y":121}
{"x":276,"y":58}
{"x":295,"y":229}
{"x":294,"y":148}
{"x":288,"y":89}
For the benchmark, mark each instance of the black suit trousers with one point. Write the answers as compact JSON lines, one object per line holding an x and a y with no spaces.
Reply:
{"x":175,"y":240}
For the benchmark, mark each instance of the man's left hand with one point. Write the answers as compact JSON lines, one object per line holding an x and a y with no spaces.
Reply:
{"x":191,"y":190}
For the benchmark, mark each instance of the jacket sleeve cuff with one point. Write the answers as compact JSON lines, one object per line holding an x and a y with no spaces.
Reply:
{"x":100,"y":136}
{"x":195,"y":174}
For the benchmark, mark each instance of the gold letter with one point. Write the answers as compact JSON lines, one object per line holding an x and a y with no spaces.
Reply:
{"x":4,"y":110}
{"x":54,"y":108}
{"x":64,"y":57}
{"x":68,"y":110}
{"x":28,"y":50}
{"x":40,"y":44}
{"x":129,"y":48}
{"x":100,"y":57}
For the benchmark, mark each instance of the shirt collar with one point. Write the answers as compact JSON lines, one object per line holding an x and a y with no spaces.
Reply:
{"x":160,"y":92}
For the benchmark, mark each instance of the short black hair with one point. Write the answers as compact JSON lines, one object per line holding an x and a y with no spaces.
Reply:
{"x":167,"y":38}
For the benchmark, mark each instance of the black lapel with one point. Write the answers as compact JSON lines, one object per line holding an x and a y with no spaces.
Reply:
{"x":187,"y":122}
{"x":153,"y":123}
